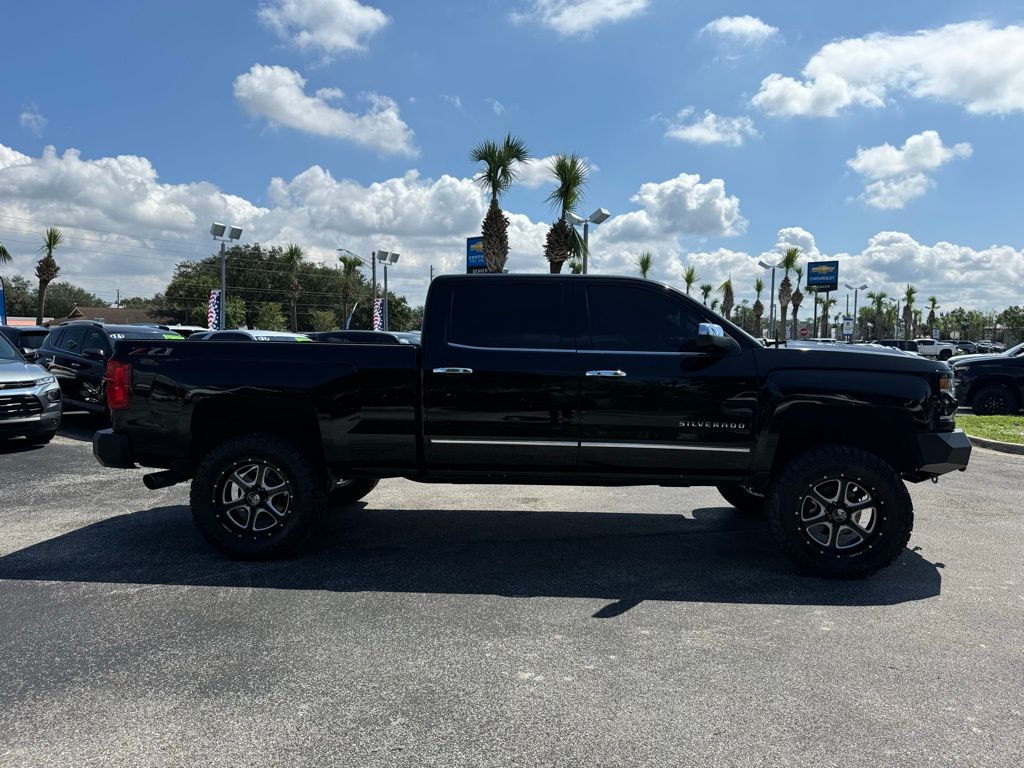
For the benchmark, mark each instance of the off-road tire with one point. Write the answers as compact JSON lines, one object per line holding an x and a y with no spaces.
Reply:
{"x":351,"y":491}
{"x":993,"y":400}
{"x":268,"y":531}
{"x":743,"y":500}
{"x":793,"y":502}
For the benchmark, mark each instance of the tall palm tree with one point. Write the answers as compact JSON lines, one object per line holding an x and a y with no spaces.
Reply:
{"x":706,"y":289}
{"x":563,"y":242}
{"x":502,"y":163}
{"x":786,"y":287}
{"x":933,"y":304}
{"x":877,"y":299}
{"x":797,"y":298}
{"x":827,"y":302}
{"x":758,"y":306}
{"x":5,"y":255}
{"x":644,"y":262}
{"x":727,"y":297}
{"x":47,"y":268}
{"x":908,"y":310}
{"x":690,"y":277}
{"x":714,"y":305}
{"x":292,"y":264}
{"x":349,"y":279}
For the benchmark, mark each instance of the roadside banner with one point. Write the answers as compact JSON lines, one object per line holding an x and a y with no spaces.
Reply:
{"x":348,"y":321}
{"x":847,"y":326}
{"x":3,"y":304}
{"x":378,"y":314}
{"x":213,"y":311}
{"x":936,"y":334}
{"x":823,"y":275}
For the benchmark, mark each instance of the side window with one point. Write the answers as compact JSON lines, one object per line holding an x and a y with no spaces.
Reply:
{"x":53,"y":339}
{"x":230,"y":337}
{"x":94,"y":339}
{"x":631,"y":318}
{"x":489,"y":312}
{"x":71,"y":341}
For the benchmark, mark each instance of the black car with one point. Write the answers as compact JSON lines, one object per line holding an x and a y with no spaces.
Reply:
{"x":605,"y":381}
{"x":990,"y":384}
{"x":967,"y":347}
{"x":77,"y":352}
{"x":27,"y":338}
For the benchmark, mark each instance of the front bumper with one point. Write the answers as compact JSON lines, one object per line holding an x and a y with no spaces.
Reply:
{"x":29,"y":411}
{"x":112,"y":449}
{"x":943,"y":452}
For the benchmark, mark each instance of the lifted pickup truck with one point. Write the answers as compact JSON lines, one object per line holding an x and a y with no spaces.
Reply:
{"x":542,"y":379}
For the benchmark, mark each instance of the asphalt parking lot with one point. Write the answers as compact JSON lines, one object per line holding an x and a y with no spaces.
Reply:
{"x":486,"y":626}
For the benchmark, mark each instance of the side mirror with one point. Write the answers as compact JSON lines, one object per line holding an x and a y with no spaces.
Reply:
{"x":30,"y":354}
{"x":713,"y":340}
{"x":94,"y":354}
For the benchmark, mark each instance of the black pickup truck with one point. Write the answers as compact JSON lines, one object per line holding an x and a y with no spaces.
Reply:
{"x":565,"y":380}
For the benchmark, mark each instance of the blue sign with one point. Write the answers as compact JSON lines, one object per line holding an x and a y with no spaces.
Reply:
{"x":823,"y":275}
{"x":475,"y":255}
{"x":3,"y":304}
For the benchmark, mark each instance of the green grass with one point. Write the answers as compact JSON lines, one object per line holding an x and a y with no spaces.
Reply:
{"x":1008,"y":429}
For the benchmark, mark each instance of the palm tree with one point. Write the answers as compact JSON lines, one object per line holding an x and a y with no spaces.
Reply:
{"x":690,"y":277}
{"x":563,"y":242}
{"x":797,"y":298}
{"x":758,"y":306}
{"x":933,"y":304}
{"x":714,"y":305}
{"x":349,"y":271}
{"x":877,"y":299}
{"x":826,"y":304}
{"x":5,"y":255}
{"x":47,"y":268}
{"x":292,"y":264}
{"x":706,"y":289}
{"x":727,"y":297}
{"x":502,"y":163}
{"x":908,"y":310}
{"x":644,"y":262}
{"x":786,"y":287}
{"x":576,"y":266}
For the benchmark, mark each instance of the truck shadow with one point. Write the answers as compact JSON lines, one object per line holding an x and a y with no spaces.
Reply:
{"x":713,"y":556}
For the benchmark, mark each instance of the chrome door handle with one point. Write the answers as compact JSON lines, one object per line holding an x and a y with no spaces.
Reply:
{"x":453,"y":370}
{"x":607,"y":374}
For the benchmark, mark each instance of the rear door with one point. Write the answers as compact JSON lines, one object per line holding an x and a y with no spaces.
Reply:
{"x":501,"y":391}
{"x":651,"y":403}
{"x":67,"y":361}
{"x":92,"y":368}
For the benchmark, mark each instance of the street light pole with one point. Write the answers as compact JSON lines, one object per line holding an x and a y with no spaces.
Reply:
{"x":856,"y":289}
{"x":233,"y":233}
{"x":598,"y":216}
{"x":771,"y":298}
{"x":387,"y":258}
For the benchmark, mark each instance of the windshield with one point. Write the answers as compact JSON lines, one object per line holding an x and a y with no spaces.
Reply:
{"x":1015,"y":351}
{"x":32,"y":339}
{"x":8,"y":352}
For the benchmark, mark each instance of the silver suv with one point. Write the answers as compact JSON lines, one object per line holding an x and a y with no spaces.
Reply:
{"x":30,"y":403}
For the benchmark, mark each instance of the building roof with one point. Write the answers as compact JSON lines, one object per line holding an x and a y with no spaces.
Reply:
{"x":112,"y":315}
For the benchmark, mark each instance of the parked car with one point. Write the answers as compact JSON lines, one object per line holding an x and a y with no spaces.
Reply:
{"x":906,"y":346}
{"x":966,"y":348}
{"x":606,"y":381}
{"x":362,"y":337}
{"x":940,"y":350}
{"x":990,"y":384}
{"x":77,"y":353}
{"x":1016,"y":351}
{"x":251,"y":335}
{"x":30,"y":402}
{"x":27,"y":338}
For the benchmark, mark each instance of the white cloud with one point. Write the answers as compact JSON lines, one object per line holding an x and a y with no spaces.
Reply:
{"x":331,"y":26}
{"x":577,"y":17}
{"x":711,"y":129}
{"x":678,"y":206}
{"x":278,"y":94}
{"x":971,"y":64}
{"x":32,"y":120}
{"x":746,"y":30}
{"x":454,"y":101}
{"x":536,"y":172}
{"x":497,"y":107}
{"x":900,"y":174}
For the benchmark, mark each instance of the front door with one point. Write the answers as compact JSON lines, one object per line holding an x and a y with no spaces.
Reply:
{"x":501,"y":391}
{"x":651,"y":403}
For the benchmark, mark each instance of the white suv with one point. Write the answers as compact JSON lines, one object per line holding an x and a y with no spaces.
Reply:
{"x":940,"y":350}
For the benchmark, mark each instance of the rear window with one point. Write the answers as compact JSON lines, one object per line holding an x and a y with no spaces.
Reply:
{"x":519,"y":315}
{"x":32,"y":339}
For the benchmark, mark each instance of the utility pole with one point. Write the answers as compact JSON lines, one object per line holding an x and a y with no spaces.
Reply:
{"x":118,"y":302}
{"x":431,"y":273}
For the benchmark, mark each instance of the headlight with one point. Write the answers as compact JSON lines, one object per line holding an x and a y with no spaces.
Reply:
{"x":46,"y":380}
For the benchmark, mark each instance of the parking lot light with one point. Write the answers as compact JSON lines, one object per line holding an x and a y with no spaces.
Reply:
{"x":224,"y":233}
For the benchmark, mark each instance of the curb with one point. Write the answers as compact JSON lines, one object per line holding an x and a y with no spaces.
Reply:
{"x":997,"y":445}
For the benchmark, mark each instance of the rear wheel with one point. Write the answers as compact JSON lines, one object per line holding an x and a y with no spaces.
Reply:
{"x":743,"y":500}
{"x":841,"y":512}
{"x":350,"y":491}
{"x":257,"y":497}
{"x":993,"y":400}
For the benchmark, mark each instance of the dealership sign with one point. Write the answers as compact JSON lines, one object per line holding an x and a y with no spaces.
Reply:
{"x":823,"y":275}
{"x":475,"y":255}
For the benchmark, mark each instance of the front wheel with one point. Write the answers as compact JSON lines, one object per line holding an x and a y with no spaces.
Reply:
{"x":256,"y":497}
{"x":993,"y":400}
{"x":841,"y":512}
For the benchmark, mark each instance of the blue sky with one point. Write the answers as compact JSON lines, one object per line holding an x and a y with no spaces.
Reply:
{"x":213,"y":101}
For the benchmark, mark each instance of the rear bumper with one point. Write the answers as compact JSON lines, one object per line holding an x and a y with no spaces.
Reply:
{"x":943,"y":452}
{"x":112,"y":449}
